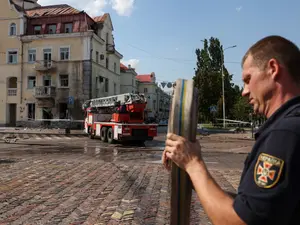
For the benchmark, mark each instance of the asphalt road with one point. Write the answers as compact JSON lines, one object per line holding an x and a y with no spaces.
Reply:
{"x":75,"y":180}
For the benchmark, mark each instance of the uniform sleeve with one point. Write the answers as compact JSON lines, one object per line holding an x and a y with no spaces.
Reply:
{"x":269,"y":192}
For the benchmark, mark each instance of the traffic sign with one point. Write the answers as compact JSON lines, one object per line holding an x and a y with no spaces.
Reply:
{"x":71,"y":100}
{"x":213,"y":109}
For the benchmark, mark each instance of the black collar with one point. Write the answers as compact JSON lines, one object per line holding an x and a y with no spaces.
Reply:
{"x":279,"y":113}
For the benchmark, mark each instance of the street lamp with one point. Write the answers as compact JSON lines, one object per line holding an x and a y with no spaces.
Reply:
{"x":223,"y":89}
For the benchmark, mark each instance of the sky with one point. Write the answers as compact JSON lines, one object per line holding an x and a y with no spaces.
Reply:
{"x":161,"y":36}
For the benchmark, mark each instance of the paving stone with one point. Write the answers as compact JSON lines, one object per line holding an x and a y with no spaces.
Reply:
{"x":73,"y":189}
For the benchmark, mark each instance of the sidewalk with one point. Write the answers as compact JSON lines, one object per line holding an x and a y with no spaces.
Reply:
{"x":22,"y":130}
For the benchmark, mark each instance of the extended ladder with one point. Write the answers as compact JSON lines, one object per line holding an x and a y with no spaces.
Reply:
{"x":110,"y":101}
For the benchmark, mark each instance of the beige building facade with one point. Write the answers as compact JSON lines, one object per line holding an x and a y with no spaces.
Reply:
{"x":158,"y":101}
{"x":129,"y":83}
{"x":53,"y":59}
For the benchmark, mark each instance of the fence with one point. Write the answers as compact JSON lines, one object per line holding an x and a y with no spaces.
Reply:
{"x":64,"y":124}
{"x":52,"y":124}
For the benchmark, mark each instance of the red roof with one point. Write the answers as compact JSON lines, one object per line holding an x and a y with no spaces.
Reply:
{"x":145,"y":78}
{"x":122,"y":66}
{"x":52,"y":10}
{"x":100,"y":19}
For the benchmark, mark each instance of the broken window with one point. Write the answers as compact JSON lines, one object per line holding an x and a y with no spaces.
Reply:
{"x":52,"y":29}
{"x":68,"y":27}
{"x":37,"y":30}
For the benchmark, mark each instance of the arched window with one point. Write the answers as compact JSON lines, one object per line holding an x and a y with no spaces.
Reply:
{"x":13,"y":29}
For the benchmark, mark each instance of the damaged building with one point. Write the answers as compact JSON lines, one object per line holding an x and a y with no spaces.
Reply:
{"x":56,"y":57}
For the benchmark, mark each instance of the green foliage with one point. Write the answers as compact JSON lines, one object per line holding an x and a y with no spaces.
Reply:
{"x":208,"y":80}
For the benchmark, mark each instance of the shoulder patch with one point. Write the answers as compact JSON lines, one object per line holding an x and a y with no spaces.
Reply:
{"x":267,"y":170}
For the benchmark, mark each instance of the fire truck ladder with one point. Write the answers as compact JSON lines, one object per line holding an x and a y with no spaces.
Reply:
{"x":110,"y":101}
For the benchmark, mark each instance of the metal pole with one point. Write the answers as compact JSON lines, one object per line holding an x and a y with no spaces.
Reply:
{"x":223,"y":90}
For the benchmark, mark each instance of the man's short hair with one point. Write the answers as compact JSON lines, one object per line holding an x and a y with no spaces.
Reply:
{"x":284,"y":51}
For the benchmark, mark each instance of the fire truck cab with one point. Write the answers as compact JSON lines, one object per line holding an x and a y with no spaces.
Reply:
{"x":118,"y":118}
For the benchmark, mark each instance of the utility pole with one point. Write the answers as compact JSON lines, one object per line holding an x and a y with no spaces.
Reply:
{"x":223,"y":88}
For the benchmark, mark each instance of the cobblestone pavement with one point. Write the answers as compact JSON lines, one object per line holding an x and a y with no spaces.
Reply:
{"x":83,"y":181}
{"x":96,"y":184}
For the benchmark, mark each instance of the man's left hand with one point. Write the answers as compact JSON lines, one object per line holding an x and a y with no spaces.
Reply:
{"x":182,"y":152}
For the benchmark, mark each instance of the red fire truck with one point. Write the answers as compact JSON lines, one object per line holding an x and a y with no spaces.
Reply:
{"x":118,"y":118}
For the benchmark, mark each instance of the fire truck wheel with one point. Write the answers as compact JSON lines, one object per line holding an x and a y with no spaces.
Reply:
{"x":110,"y":136}
{"x":103,"y":135}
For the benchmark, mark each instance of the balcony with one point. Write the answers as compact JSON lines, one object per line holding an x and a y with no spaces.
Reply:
{"x":12,"y":92}
{"x":44,"y":92}
{"x":44,"y":65}
{"x":110,"y":49}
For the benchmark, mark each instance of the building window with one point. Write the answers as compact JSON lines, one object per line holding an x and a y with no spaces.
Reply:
{"x":115,"y":88}
{"x":31,"y":111}
{"x":64,"y":53}
{"x":52,"y":29}
{"x":12,"y":86}
{"x":31,"y":55}
{"x":145,"y":90}
{"x":107,"y":62}
{"x":12,"y":57}
{"x":47,"y":54}
{"x":106,"y":85}
{"x":64,"y":80}
{"x":37,"y":30}
{"x":13,"y":29}
{"x":31,"y":82}
{"x":115,"y":67}
{"x":47,"y":81}
{"x":97,"y":57}
{"x":68,"y":27}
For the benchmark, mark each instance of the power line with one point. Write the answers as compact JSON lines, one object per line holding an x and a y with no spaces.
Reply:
{"x":177,"y":60}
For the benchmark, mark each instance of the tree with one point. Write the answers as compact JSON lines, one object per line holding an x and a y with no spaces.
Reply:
{"x":208,"y":79}
{"x":241,"y":109}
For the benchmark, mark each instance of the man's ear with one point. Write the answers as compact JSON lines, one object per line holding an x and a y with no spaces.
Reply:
{"x":273,"y":69}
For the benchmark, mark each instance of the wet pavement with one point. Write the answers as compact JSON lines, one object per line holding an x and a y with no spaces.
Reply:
{"x":85,"y":181}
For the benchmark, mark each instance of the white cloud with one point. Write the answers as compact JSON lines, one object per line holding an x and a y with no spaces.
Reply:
{"x":238,"y":9}
{"x":133,"y":62}
{"x":96,"y":7}
{"x":123,"y":7}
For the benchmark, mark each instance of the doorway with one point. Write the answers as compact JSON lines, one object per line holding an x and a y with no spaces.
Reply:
{"x":12,"y":114}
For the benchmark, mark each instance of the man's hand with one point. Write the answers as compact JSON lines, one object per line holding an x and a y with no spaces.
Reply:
{"x":182,"y":152}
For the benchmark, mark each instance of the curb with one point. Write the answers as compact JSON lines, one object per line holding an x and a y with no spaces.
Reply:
{"x":41,"y":133}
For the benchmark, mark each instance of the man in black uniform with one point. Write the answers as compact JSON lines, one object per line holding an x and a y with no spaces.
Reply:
{"x":269,"y":190}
